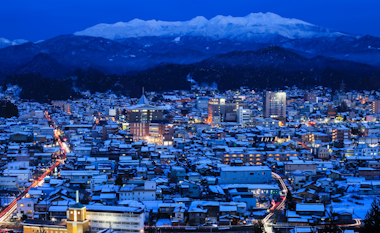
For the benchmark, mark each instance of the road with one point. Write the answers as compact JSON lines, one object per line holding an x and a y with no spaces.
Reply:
{"x":280,"y":206}
{"x":303,"y":145}
{"x":12,"y":207}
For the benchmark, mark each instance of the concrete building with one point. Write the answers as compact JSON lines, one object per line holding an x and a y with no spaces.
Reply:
{"x":216,"y":110}
{"x":243,"y":116}
{"x":139,"y":193}
{"x":9,"y":182}
{"x":245,"y":175}
{"x":119,"y":218}
{"x":341,"y":134}
{"x":310,"y":97}
{"x":323,"y":153}
{"x":143,"y":112}
{"x":274,"y":105}
{"x":375,"y":106}
{"x":202,"y":103}
{"x":221,"y":110}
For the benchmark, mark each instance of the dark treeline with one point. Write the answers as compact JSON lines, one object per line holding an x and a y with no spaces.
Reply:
{"x":8,"y":109}
{"x":272,"y":67}
{"x":41,"y":89}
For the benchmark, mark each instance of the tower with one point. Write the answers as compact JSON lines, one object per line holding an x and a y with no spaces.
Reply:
{"x":76,"y":219}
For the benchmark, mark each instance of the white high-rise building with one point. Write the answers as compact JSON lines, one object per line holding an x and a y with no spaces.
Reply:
{"x":275,"y":105}
{"x":243,"y":116}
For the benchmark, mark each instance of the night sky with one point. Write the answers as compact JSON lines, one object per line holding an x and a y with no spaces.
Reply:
{"x":43,"y":19}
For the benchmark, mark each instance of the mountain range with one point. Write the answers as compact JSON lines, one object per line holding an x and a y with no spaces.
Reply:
{"x":238,"y":44}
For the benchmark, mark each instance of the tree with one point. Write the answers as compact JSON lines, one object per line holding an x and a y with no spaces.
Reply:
{"x":372,"y":218}
{"x":258,"y":227}
{"x":119,"y":181}
{"x":8,"y":109}
{"x":290,"y":203}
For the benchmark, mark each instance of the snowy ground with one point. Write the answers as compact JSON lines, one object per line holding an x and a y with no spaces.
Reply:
{"x":359,"y":208}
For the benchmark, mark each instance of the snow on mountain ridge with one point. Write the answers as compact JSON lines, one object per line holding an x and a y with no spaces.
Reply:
{"x":253,"y":26}
{"x":5,"y":42}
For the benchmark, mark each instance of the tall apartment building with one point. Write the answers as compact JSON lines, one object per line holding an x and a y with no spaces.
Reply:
{"x":243,"y":116}
{"x":341,"y":134}
{"x":375,"y":106}
{"x":216,"y":110}
{"x":275,"y":105}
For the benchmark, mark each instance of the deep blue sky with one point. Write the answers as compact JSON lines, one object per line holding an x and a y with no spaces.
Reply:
{"x":42,"y":19}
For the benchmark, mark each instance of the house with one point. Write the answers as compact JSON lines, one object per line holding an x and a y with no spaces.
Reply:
{"x":25,"y":206}
{"x":190,"y":189}
{"x":317,"y":209}
{"x":334,"y":174}
{"x":327,"y":185}
{"x":177,"y":174}
{"x":197,"y":216}
{"x":179,"y":216}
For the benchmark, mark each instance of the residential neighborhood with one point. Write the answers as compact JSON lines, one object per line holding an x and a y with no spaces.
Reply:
{"x":188,"y":160}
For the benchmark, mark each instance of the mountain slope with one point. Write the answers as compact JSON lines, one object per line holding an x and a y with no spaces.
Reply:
{"x":271,"y":67}
{"x":44,"y":65}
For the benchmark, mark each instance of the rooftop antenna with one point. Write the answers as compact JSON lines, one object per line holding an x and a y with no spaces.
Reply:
{"x":143,"y":90}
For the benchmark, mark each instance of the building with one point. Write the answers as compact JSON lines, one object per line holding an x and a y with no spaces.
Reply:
{"x":243,"y":116}
{"x":9,"y":182}
{"x":216,"y":110}
{"x":76,"y":222}
{"x":245,"y":175}
{"x":308,"y":167}
{"x":202,"y":103}
{"x":119,"y":218}
{"x":139,"y":193}
{"x":152,"y":132}
{"x":341,"y":134}
{"x":323,"y":153}
{"x":25,"y":206}
{"x":221,"y":110}
{"x":274,"y":105}
{"x":143,"y":112}
{"x":91,"y":218}
{"x":310,"y":97}
{"x":375,"y":106}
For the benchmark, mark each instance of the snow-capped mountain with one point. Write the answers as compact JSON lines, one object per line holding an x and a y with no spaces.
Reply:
{"x":137,"y":45}
{"x":5,"y":42}
{"x":258,"y":27}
